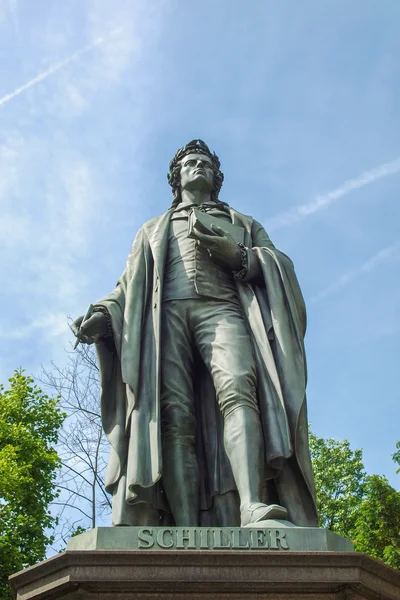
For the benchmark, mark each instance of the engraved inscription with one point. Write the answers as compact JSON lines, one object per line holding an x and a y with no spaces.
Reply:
{"x":211,"y":538}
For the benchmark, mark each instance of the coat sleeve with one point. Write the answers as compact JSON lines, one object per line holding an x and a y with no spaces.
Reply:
{"x":260,"y":239}
{"x":115,"y":303}
{"x":263,"y":248}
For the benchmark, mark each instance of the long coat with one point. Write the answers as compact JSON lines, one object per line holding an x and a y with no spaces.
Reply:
{"x":130,"y":379}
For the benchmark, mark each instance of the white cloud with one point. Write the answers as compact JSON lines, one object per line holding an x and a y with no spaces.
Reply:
{"x":304,"y":210}
{"x":51,"y":190}
{"x":126,"y":53}
{"x":57,"y":66}
{"x":42,"y":248}
{"x":75,"y":182}
{"x":14,"y":225}
{"x":71,"y":196}
{"x":73,"y":102}
{"x":372,"y":263}
{"x":13,"y":11}
{"x":52,"y":325}
{"x":10,"y":152}
{"x":8,"y":10}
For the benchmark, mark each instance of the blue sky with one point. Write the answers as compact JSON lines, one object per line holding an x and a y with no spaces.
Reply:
{"x":301,"y":102}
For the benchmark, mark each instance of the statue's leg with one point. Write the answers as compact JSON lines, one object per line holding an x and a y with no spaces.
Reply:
{"x":226,"y":348}
{"x":180,"y":474}
{"x":244,"y":445}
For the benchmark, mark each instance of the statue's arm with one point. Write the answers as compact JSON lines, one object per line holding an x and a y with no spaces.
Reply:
{"x":262,"y":241}
{"x":91,"y":330}
{"x":112,"y":308}
{"x":106,"y":320}
{"x":251,"y":271}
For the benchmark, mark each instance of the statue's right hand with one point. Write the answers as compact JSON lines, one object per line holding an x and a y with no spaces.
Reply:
{"x":92,"y":329}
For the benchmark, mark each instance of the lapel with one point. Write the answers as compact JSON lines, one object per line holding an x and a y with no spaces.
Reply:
{"x":157,"y":233}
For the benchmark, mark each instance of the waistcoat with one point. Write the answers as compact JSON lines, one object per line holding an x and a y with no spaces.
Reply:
{"x":189,"y":270}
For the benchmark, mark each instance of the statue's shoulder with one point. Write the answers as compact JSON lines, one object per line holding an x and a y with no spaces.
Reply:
{"x":147,"y":229}
{"x":156,"y":226}
{"x":153,"y":222}
{"x":242,"y":217}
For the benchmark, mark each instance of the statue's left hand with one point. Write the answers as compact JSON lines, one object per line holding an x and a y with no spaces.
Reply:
{"x":221,"y":247}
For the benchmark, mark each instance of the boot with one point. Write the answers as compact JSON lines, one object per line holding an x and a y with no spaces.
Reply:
{"x":181,"y":483}
{"x":244,"y":445}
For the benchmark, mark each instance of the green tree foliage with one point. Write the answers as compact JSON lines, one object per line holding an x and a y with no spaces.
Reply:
{"x":29,"y":424}
{"x":377,"y":529}
{"x":340,"y":480}
{"x":396,"y":456}
{"x":364,"y":508}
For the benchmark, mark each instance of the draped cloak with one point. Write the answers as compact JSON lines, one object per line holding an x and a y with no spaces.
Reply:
{"x":130,"y":384}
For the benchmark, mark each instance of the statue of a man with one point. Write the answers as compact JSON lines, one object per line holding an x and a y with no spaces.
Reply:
{"x":203,"y":371}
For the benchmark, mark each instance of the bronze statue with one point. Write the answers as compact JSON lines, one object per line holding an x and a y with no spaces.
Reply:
{"x":203,"y":371}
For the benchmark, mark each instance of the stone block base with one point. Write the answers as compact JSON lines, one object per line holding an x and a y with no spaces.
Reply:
{"x":267,"y":535}
{"x":207,"y":575}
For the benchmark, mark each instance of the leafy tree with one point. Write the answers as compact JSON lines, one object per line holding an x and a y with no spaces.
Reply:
{"x":29,"y":424}
{"x":340,"y":481}
{"x":364,"y":508}
{"x":396,"y":456}
{"x":377,"y":529}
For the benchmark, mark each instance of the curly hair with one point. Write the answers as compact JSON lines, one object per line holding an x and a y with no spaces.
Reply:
{"x":174,"y":175}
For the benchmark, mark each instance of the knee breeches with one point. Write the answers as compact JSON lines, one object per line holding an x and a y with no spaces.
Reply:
{"x":218,"y":331}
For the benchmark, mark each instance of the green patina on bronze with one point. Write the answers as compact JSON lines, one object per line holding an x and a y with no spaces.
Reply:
{"x":203,"y":370}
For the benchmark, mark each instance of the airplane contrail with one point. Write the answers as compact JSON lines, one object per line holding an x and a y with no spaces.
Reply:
{"x":53,"y":69}
{"x":304,"y":210}
{"x":369,"y":265}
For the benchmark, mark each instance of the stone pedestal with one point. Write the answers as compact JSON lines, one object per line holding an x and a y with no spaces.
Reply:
{"x":267,"y":535}
{"x":251,"y":565}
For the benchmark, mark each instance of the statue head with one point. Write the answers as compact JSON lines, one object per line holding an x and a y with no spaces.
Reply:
{"x":195,"y":147}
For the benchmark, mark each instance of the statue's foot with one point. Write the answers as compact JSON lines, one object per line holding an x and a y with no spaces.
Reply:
{"x":253,"y":513}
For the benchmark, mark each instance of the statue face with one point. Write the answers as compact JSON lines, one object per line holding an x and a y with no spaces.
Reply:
{"x":197,"y":173}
